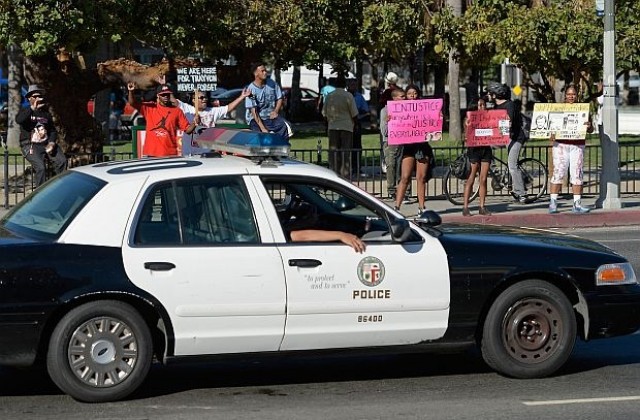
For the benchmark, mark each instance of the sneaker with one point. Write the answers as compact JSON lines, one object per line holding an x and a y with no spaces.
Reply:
{"x":484,"y":212}
{"x":578,"y":209}
{"x":420,"y":211}
{"x":384,"y":168}
{"x":521,"y":199}
{"x":466,"y":212}
{"x":553,"y":206}
{"x":396,"y":208}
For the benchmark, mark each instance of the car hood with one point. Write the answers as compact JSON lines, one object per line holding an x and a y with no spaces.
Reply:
{"x":513,"y":238}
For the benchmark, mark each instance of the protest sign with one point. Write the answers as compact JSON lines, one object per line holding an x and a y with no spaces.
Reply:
{"x":566,"y":121}
{"x":415,"y":121}
{"x":487,"y":128}
{"x":204,"y":79}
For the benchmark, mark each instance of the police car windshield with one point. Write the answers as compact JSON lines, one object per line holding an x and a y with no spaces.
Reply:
{"x":48,"y":211}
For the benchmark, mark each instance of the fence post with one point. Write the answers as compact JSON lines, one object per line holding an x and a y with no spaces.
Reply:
{"x":319,"y":153}
{"x":6,"y":170}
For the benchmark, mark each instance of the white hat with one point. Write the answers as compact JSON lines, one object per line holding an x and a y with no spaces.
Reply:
{"x":391,"y":78}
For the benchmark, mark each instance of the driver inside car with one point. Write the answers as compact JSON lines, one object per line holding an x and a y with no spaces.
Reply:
{"x":298,"y":219}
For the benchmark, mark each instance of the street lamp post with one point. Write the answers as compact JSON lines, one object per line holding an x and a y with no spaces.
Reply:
{"x":610,"y":180}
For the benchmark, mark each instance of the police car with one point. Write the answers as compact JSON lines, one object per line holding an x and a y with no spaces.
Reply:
{"x":110,"y":265}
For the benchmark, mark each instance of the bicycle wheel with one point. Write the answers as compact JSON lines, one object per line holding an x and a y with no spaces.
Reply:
{"x":453,"y":188}
{"x":535,"y":177}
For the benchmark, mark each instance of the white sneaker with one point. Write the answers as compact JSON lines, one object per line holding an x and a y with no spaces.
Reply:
{"x":553,"y":206}
{"x":578,"y":209}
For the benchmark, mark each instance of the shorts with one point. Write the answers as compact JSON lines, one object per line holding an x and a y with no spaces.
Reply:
{"x":567,"y":156}
{"x":480,"y":154}
{"x":417,"y":151}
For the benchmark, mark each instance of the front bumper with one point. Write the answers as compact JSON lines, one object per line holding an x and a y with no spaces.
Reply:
{"x":614,"y":311}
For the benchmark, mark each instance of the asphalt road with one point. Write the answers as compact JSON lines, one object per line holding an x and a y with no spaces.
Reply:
{"x":600,"y":381}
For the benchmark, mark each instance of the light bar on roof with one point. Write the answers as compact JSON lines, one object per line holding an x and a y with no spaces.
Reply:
{"x":243,"y":142}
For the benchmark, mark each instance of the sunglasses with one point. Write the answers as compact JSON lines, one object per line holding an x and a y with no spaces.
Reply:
{"x":164,"y":95}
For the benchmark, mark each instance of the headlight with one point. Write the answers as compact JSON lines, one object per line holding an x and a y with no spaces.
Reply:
{"x":615,"y":274}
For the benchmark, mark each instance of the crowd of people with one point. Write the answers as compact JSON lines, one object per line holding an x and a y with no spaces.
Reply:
{"x":344,"y":109}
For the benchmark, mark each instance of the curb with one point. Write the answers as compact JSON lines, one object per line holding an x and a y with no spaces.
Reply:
{"x":561,"y":220}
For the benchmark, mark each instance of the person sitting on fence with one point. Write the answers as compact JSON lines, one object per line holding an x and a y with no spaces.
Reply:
{"x":38,"y":135}
{"x":480,"y":157}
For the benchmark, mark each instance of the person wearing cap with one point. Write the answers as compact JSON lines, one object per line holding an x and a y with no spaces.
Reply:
{"x":163,"y":119}
{"x":391,"y":80}
{"x":38,"y":135}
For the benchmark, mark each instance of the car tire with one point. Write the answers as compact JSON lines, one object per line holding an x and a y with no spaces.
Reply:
{"x":529,"y":331}
{"x":100,"y":351}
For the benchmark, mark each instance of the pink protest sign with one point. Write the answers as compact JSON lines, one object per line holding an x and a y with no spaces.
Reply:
{"x":487,"y":128}
{"x":415,"y":121}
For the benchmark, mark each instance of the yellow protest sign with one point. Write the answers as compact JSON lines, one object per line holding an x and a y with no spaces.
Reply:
{"x":566,"y":121}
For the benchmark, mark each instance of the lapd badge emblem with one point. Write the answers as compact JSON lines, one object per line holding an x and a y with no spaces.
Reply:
{"x":371,"y":271}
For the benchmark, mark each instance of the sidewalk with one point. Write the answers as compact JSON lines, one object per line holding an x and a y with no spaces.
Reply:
{"x":507,"y":213}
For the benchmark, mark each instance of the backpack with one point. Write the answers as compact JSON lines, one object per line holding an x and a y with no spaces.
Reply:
{"x":461,"y":167}
{"x":525,"y":128}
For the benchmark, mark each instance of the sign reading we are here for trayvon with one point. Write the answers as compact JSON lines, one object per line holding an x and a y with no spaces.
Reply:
{"x":203,"y":79}
{"x":415,"y":121}
{"x":487,"y":128}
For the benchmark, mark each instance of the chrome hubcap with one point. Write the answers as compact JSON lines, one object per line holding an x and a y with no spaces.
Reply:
{"x":102,"y":352}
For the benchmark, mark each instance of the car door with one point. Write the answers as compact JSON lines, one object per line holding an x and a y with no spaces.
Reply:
{"x":196,"y":245}
{"x":393,"y":293}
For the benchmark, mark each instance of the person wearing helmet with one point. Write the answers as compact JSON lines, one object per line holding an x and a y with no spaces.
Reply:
{"x":500,"y":95}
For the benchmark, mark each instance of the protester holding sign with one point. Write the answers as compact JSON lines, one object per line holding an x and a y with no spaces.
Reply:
{"x":208,"y":116}
{"x":568,"y":153}
{"x":414,"y":155}
{"x":480,"y":157}
{"x":500,"y":94}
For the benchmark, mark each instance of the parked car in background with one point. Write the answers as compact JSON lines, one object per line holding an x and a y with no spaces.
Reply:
{"x":221,"y":97}
{"x":309,"y":104}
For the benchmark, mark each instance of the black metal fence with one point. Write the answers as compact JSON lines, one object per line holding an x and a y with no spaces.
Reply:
{"x":367,"y":170}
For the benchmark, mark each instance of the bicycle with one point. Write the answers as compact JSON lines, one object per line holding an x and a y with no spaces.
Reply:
{"x":534,"y":175}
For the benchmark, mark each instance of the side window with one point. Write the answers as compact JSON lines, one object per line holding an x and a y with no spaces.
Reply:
{"x":303,"y":205}
{"x":207,"y":211}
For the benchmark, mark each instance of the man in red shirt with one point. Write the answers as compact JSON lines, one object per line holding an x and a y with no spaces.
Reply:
{"x":163,"y":121}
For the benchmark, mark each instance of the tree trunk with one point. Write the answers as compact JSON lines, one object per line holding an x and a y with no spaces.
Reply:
{"x":68,"y":91}
{"x":14,"y":57}
{"x":294,"y":101}
{"x":455,"y":126}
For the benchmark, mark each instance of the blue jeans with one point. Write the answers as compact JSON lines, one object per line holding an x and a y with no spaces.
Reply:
{"x":276,"y":126}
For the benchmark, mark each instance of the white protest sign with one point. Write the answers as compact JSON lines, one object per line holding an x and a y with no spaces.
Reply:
{"x":205,"y":79}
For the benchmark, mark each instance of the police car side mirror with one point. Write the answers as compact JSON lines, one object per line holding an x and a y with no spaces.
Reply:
{"x":429,"y":218}
{"x":400,"y":230}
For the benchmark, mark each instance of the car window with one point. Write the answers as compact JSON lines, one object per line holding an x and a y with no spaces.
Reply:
{"x":207,"y":211}
{"x":311,"y":205}
{"x":49,"y":209}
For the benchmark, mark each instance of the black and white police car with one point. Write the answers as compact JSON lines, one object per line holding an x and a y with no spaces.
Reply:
{"x":110,"y":264}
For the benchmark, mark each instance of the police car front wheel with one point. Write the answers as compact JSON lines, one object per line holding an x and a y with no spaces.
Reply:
{"x":100,"y":351}
{"x":530,"y":330}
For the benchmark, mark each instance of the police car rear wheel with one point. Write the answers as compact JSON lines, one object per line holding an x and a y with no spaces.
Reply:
{"x":530,"y":330}
{"x":100,"y":351}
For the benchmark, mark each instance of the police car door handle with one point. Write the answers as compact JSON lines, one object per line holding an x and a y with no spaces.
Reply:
{"x":305,"y":263}
{"x":159,"y":266}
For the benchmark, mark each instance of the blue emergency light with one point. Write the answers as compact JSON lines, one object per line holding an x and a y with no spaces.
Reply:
{"x":242,"y":142}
